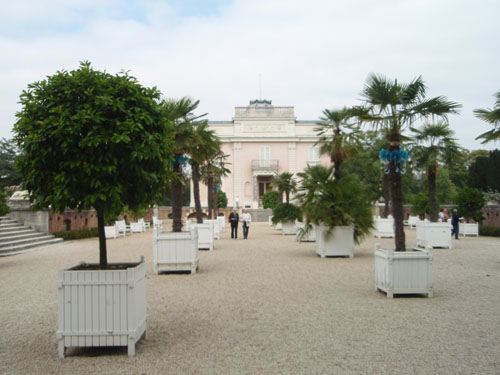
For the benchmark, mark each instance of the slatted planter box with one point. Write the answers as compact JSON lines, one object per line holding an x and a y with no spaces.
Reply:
{"x":339,"y":243}
{"x":403,"y":272}
{"x":309,"y":237}
{"x":384,"y":227}
{"x":288,"y":228}
{"x":468,"y":229}
{"x":270,"y":220}
{"x":111,"y":231}
{"x":217,"y":228}
{"x":175,"y":251}
{"x":433,"y":234}
{"x":102,"y":307}
{"x":205,"y":235}
{"x":222,"y":222}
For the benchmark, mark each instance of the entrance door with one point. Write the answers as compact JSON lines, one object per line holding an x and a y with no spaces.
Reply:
{"x":264,"y":186}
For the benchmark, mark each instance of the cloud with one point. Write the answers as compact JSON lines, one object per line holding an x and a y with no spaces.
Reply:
{"x":312,"y":55}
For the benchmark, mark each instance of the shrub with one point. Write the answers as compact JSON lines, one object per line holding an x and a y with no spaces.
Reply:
{"x":270,"y":199}
{"x":286,"y":212}
{"x":489,"y":231}
{"x":470,"y":202}
{"x":4,"y":209}
{"x":78,"y":234}
{"x":221,"y":199}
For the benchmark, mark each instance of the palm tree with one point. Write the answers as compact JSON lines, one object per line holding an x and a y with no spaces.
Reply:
{"x":204,"y":146}
{"x":394,"y":107}
{"x":338,"y":137}
{"x":180,"y":113}
{"x":285,"y":183}
{"x":213,"y":171}
{"x":493,"y":117}
{"x":434,"y":144}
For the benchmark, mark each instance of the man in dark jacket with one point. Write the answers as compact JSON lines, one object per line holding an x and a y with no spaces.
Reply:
{"x":233,"y":220}
{"x":454,"y":224}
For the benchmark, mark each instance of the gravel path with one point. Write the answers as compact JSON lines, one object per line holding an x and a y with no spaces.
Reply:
{"x":267,"y":305}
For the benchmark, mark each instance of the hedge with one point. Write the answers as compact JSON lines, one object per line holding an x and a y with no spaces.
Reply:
{"x":489,"y":231}
{"x":77,"y":234}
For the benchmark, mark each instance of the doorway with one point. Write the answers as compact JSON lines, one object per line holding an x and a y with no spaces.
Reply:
{"x":264,"y":184}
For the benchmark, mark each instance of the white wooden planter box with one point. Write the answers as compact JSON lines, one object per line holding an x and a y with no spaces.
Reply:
{"x":279,"y":226}
{"x":412,"y":221}
{"x":433,"y":234}
{"x":217,"y":229}
{"x":288,"y":228}
{"x":403,"y":272}
{"x":270,"y":220}
{"x":309,"y":237}
{"x":102,"y":307}
{"x":384,"y":227}
{"x":137,"y":227}
{"x":110,"y":231}
{"x":468,"y":229}
{"x":339,"y":243}
{"x":175,"y":251}
{"x":222,"y":222}
{"x":205,"y":235}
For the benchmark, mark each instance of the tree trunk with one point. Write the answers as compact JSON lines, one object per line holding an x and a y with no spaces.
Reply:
{"x":196,"y":192}
{"x":177,"y":199}
{"x":215,"y":205}
{"x":397,"y":204}
{"x":431,"y":182}
{"x":386,"y":192}
{"x":103,"y":254}
{"x":287,"y":195}
{"x":210,"y":197}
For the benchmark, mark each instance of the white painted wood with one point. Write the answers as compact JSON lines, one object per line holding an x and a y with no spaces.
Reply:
{"x":403,"y":272}
{"x":433,"y":234}
{"x":412,"y":221}
{"x":101,"y":307}
{"x":279,"y":226}
{"x":137,"y":227}
{"x":468,"y":229}
{"x":216,"y":227}
{"x":122,"y":227}
{"x":157,"y":223}
{"x":270,"y":220}
{"x":205,"y":235}
{"x":175,"y":251}
{"x":222,"y":222}
{"x":309,"y":237}
{"x":384,"y":227}
{"x":340,"y":241}
{"x":288,"y":228}
{"x":111,"y":231}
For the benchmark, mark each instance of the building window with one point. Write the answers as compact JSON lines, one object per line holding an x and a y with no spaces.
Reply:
{"x":284,"y":110}
{"x":313,"y":154}
{"x":265,"y":156}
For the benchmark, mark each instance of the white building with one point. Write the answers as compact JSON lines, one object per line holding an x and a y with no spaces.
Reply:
{"x":262,"y":141}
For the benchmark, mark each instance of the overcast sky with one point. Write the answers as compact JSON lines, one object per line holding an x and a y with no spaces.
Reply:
{"x":312,"y":54}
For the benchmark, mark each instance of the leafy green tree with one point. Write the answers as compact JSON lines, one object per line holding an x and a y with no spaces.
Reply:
{"x":221,"y":199}
{"x":285,"y":183}
{"x":338,"y":136}
{"x":470,"y":202}
{"x":420,"y":204}
{"x":493,"y":171}
{"x":394,"y":107}
{"x":91,"y":139}
{"x":8,"y":174}
{"x":286,"y":212}
{"x":445,"y":188}
{"x":434,"y":145}
{"x":492,"y":116}
{"x":478,"y":173}
{"x":212,"y":172}
{"x":270,"y":199}
{"x":4,"y":209}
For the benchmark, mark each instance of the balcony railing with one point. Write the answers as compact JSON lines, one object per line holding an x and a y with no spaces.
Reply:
{"x":265,"y":164}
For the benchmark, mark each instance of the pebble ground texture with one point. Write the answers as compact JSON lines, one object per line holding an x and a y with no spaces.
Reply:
{"x":267,"y":305}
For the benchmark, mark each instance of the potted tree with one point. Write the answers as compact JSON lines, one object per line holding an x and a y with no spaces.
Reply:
{"x":470,"y":202}
{"x":286,"y":214}
{"x":434,"y":144}
{"x":86,"y":137}
{"x":338,"y":208}
{"x":394,"y":106}
{"x":270,"y":200}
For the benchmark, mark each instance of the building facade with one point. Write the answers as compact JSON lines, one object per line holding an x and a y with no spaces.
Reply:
{"x":262,"y":141}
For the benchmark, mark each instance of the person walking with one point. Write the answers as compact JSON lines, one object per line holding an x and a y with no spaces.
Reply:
{"x":247,"y":219}
{"x":233,"y":220}
{"x":454,"y":224}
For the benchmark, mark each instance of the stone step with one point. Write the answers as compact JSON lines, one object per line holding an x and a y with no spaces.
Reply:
{"x":19,"y":228}
{"x":14,"y":250}
{"x":17,"y":232}
{"x":10,"y":225}
{"x":19,"y":235}
{"x":22,"y":241}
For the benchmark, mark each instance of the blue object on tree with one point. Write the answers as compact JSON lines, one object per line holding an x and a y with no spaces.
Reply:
{"x":398,"y":157}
